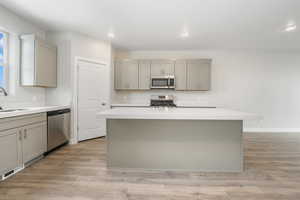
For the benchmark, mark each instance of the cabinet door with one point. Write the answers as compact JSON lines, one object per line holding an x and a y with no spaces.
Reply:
{"x":34,"y":141}
{"x":126,"y":75}
{"x":45,"y":64}
{"x":180,"y":74}
{"x":162,"y":67}
{"x":10,"y":150}
{"x":144,"y":74}
{"x":27,"y":60}
{"x":198,"y":74}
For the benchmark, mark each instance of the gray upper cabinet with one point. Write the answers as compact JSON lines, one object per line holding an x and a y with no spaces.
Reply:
{"x":127,"y":75}
{"x":144,"y":74}
{"x":38,"y":62}
{"x":162,"y":67}
{"x":180,"y":75}
{"x":190,"y":74}
{"x":198,"y":74}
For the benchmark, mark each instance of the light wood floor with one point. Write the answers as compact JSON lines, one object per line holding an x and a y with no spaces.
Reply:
{"x":79,"y":172}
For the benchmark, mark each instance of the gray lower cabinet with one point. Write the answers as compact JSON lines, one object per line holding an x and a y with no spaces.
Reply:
{"x":34,"y":141}
{"x":198,"y":74}
{"x":11,"y":150}
{"x":22,"y":139}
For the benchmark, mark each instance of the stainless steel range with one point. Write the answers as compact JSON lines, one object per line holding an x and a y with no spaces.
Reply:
{"x":162,"y":100}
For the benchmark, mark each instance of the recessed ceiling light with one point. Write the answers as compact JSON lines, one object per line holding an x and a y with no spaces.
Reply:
{"x":290,"y":27}
{"x":185,"y":34}
{"x":111,"y":35}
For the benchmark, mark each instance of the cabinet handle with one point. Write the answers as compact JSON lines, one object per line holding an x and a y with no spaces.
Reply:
{"x":20,"y":135}
{"x":25,"y":134}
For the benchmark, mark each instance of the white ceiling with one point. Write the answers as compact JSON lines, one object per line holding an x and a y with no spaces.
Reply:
{"x":157,"y":24}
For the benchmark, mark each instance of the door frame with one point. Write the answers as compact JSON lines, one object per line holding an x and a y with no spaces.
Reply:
{"x":74,"y":117}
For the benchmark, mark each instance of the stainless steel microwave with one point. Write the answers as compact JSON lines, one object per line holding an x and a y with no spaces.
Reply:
{"x":163,"y":82}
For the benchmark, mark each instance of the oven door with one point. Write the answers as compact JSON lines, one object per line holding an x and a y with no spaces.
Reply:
{"x":159,"y":82}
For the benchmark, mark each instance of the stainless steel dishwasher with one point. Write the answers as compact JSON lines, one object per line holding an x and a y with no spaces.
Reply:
{"x":58,"y":128}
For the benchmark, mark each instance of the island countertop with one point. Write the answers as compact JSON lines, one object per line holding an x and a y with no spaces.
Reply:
{"x":176,"y":113}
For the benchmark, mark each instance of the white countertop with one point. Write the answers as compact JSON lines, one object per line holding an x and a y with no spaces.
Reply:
{"x":130,"y":105}
{"x":176,"y":113}
{"x":180,"y":105}
{"x":31,"y":110}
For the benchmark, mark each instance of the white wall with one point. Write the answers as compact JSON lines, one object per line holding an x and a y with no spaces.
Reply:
{"x":72,"y":45}
{"x":18,"y":96}
{"x":62,"y":94}
{"x":266,"y":83}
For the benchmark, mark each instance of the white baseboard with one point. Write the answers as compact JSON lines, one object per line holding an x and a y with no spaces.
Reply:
{"x":271,"y":130}
{"x":73,"y":141}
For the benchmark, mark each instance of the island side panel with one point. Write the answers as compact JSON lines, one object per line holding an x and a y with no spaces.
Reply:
{"x":188,"y":145}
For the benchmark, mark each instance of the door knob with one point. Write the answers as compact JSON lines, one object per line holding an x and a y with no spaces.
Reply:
{"x":103,"y":104}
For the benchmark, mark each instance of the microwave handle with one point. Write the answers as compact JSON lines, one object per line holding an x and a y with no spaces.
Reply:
{"x":169,"y":82}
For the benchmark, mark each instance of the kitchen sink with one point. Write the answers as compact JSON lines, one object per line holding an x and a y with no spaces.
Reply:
{"x":11,"y":110}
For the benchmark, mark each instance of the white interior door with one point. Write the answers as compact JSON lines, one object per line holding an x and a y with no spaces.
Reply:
{"x":93,"y":97}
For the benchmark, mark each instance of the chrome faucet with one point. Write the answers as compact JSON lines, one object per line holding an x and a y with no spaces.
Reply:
{"x":2,"y":90}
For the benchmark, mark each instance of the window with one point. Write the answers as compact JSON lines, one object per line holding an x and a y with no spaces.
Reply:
{"x":3,"y":60}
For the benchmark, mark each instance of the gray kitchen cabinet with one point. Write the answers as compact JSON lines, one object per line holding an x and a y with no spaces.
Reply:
{"x":198,"y":74}
{"x":11,"y":150}
{"x":38,"y":62}
{"x":190,"y":74}
{"x":22,"y":139}
{"x":180,"y":75}
{"x":144,"y":74}
{"x":34,"y":141}
{"x":127,"y":75}
{"x":162,"y":67}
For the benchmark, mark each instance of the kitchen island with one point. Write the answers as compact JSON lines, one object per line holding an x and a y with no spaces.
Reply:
{"x":188,"y":139}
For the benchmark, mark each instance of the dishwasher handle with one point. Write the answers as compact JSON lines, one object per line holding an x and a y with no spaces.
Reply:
{"x":58,"y":112}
